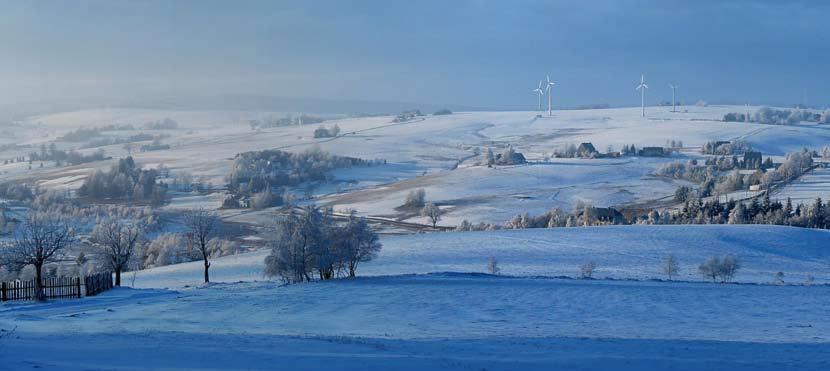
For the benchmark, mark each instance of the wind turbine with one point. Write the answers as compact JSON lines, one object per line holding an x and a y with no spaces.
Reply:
{"x":673,"y":95}
{"x":547,"y":90}
{"x":540,"y":92}
{"x":642,"y":88}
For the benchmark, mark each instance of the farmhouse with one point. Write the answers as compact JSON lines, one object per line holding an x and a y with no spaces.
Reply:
{"x":586,"y":150}
{"x":515,"y":158}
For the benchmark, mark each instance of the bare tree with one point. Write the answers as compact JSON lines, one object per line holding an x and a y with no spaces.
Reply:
{"x":363,"y":245}
{"x":432,"y":212}
{"x":415,"y":198}
{"x":710,"y":269}
{"x":202,"y":225}
{"x":118,"y":241}
{"x":729,"y":266}
{"x":670,"y":267}
{"x":38,"y":240}
{"x":587,"y":270}
{"x":493,"y":266}
{"x":778,"y":278}
{"x":724,"y":268}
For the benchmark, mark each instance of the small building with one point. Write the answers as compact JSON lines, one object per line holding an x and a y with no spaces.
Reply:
{"x":652,"y":152}
{"x":752,"y":160}
{"x":586,"y":150}
{"x":755,"y":188}
{"x":516,"y":158}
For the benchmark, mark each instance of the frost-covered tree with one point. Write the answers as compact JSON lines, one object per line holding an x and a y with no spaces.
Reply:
{"x":262,"y":200}
{"x":737,"y":215}
{"x":118,"y":242}
{"x":297,"y":236}
{"x":202,"y":225}
{"x":415,"y":198}
{"x":490,"y":157}
{"x":310,"y":242}
{"x":363,"y":245}
{"x":39,"y":240}
{"x":670,"y":266}
{"x":431,"y":212}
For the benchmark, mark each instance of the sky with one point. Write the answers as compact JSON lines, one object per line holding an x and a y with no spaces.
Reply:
{"x":474,"y":53}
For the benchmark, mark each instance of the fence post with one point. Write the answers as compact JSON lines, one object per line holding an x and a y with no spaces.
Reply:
{"x":78,"y":286}
{"x":3,"y":292}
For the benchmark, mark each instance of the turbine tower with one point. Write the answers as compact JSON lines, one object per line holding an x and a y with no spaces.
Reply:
{"x":673,"y":95}
{"x":547,"y":90}
{"x":642,"y":88}
{"x":539,"y":92}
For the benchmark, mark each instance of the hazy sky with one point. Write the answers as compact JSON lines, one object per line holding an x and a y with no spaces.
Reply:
{"x":476,"y":53}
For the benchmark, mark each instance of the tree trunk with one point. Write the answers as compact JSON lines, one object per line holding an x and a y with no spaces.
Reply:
{"x":118,"y":277}
{"x":39,"y":282}
{"x":207,"y":265}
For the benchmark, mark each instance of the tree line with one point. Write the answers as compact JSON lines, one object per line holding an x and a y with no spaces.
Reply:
{"x":126,"y":180}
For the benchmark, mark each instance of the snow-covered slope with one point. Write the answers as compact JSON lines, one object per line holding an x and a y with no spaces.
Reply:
{"x":429,"y":322}
{"x":421,"y":153}
{"x":619,"y":252}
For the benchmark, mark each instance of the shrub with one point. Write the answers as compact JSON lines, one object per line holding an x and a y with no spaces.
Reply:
{"x":587,"y":270}
{"x":166,"y":249}
{"x":670,"y":267}
{"x":262,"y":199}
{"x":493,"y":266}
{"x":415,"y":198}
{"x":724,"y":268}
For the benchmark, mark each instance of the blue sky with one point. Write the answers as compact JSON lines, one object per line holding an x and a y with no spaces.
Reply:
{"x":485,"y":54}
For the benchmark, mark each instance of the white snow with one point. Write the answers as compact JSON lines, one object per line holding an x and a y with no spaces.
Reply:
{"x":620,"y":252}
{"x":428,"y":322}
{"x":207,"y":141}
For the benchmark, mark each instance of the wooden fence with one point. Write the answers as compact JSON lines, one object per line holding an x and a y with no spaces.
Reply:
{"x":56,"y":288}
{"x":97,"y":283}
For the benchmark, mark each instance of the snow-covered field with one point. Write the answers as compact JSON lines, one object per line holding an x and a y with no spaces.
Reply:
{"x":423,"y":304}
{"x":423,"y":152}
{"x":619,"y":252}
{"x":807,"y":187}
{"x":429,"y":322}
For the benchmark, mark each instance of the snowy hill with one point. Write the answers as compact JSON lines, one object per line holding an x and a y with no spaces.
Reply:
{"x":619,"y":252}
{"x":431,"y":152}
{"x":430,"y":322}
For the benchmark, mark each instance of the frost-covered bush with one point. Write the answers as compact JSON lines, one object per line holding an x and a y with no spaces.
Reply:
{"x":262,"y":200}
{"x":415,"y":198}
{"x":166,"y":249}
{"x":222,"y":247}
